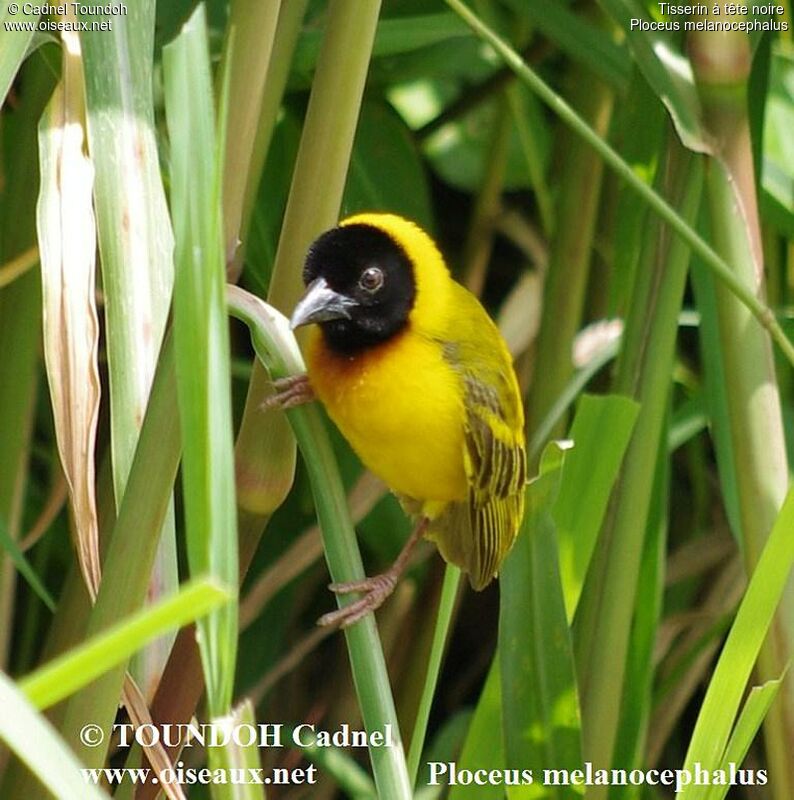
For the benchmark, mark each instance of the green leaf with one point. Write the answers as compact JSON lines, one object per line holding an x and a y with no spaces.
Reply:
{"x":715,"y":392}
{"x":755,"y":709}
{"x":483,"y":748}
{"x":243,"y":758}
{"x":601,"y":432}
{"x":640,"y":125}
{"x":715,"y":721}
{"x":403,"y":34}
{"x":35,"y":742}
{"x":385,"y":169}
{"x":13,"y":46}
{"x":666,"y":70}
{"x":24,"y":568}
{"x":640,"y":672}
{"x":137,"y":247}
{"x":459,"y":149}
{"x":393,"y":37}
{"x":540,"y":708}
{"x":77,"y":668}
{"x":582,"y":41}
{"x":202,"y":344}
{"x":777,"y":177}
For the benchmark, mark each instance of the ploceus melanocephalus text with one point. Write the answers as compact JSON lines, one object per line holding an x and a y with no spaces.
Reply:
{"x":418,"y":379}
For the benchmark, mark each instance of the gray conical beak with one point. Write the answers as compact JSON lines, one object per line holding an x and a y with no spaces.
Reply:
{"x":319,"y":304}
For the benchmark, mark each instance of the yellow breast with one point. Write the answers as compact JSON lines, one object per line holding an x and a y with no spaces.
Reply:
{"x":400,"y":407}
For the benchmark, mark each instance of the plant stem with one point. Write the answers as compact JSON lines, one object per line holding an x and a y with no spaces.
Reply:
{"x":479,"y":240}
{"x":246,"y":61}
{"x":449,"y":592}
{"x":576,"y":215}
{"x":276,"y":347}
{"x":290,"y":17}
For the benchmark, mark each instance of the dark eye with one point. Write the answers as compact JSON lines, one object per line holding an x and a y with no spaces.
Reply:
{"x":371,"y":279}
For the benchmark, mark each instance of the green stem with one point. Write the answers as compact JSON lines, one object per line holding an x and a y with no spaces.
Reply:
{"x":663,"y":209}
{"x":18,"y":266}
{"x":479,"y":241}
{"x":277,"y":349}
{"x":290,"y":17}
{"x":323,"y":159}
{"x":446,"y":606}
{"x":576,"y":215}
{"x":246,"y":59}
{"x":326,"y":143}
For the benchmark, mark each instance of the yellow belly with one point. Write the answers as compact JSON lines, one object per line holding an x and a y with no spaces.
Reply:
{"x":401,"y":411}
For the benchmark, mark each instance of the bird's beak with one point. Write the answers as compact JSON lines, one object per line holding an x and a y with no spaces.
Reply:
{"x":319,"y":304}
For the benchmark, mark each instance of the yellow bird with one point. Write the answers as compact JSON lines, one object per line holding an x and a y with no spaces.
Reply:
{"x":416,"y":376}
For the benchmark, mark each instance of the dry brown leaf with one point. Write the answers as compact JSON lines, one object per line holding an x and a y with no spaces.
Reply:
{"x":157,"y":755}
{"x":67,"y":246}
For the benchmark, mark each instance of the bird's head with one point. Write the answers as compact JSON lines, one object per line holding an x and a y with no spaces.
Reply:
{"x":363,"y":279}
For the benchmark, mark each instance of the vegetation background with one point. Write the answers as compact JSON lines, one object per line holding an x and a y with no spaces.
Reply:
{"x":622,"y":198}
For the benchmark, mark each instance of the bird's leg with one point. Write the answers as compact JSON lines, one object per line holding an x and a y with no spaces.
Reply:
{"x":375,"y":589}
{"x":290,"y":392}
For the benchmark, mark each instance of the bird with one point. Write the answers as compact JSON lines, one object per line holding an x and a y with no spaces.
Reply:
{"x":419,"y":381}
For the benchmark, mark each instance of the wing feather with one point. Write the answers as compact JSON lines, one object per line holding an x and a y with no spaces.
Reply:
{"x":477,"y":533}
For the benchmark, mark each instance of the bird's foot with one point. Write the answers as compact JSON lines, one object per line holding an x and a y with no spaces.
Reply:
{"x":375,"y":589}
{"x":289,"y":392}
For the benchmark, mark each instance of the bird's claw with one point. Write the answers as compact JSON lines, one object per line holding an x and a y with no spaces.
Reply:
{"x":292,"y":391}
{"x":376,"y":589}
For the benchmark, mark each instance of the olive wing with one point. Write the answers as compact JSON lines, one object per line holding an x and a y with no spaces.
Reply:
{"x":477,"y":533}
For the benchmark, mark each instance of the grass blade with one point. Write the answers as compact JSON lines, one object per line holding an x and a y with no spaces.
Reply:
{"x":31,"y":737}
{"x":755,"y":709}
{"x":13,"y":47}
{"x":484,"y":746}
{"x":131,"y":551}
{"x":540,"y":708}
{"x":202,"y":344}
{"x":604,"y":615}
{"x":600,"y":432}
{"x":77,"y":668}
{"x":235,"y":756}
{"x":666,"y":70}
{"x":717,"y":714}
{"x":24,"y":568}
{"x":446,"y":606}
{"x":136,"y":246}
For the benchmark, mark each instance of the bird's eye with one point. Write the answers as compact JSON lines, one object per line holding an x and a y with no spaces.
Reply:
{"x":371,"y":280}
